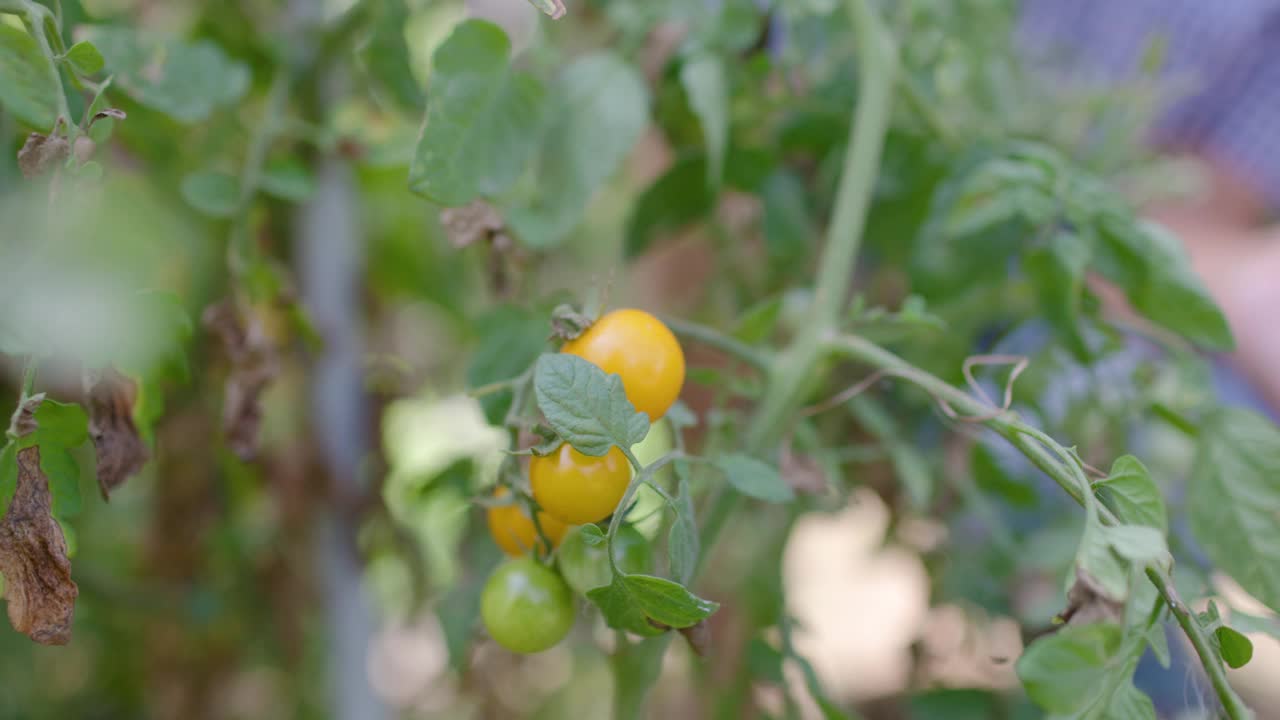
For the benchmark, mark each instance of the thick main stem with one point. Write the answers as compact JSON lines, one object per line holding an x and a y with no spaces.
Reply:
{"x":1031,"y":443}
{"x":793,"y":368}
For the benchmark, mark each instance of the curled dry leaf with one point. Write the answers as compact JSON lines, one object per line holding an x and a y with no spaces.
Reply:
{"x":23,"y":422}
{"x":699,"y":637}
{"x":33,"y":558}
{"x":471,"y":223}
{"x":42,"y":152}
{"x":1087,"y":602}
{"x":253,"y":365}
{"x":802,"y":473}
{"x":120,"y":449}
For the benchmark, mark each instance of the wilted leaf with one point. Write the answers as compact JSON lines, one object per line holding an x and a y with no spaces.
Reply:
{"x":1088,"y":602}
{"x":554,"y":8}
{"x":470,"y":223}
{"x":253,"y":365}
{"x":120,"y":449}
{"x":33,"y":558}
{"x":699,"y":637}
{"x":40,"y":153}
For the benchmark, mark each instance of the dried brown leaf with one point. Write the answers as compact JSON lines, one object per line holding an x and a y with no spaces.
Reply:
{"x":40,"y":153}
{"x":1088,"y":602}
{"x":471,"y":223}
{"x":253,"y":365}
{"x":33,"y":558}
{"x":699,"y":637}
{"x":120,"y":448}
{"x":803,"y":473}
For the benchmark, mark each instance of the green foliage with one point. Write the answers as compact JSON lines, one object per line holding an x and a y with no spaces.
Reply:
{"x":754,"y":478}
{"x":482,"y":119}
{"x":187,"y":81}
{"x":588,"y":408}
{"x":1234,"y":498}
{"x":636,"y":602}
{"x":1085,"y":672}
{"x":599,"y":107}
{"x":28,"y":84}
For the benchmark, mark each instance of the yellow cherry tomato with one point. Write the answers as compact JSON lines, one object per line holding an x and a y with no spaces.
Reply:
{"x":578,"y":488}
{"x":641,"y":350}
{"x":513,"y":529}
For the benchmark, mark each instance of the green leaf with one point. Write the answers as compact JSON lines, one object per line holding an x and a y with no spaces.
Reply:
{"x":60,"y":429}
{"x":1233,"y":498}
{"x":757,"y":322}
{"x":1155,"y":272}
{"x":703,"y":78}
{"x":482,"y":119}
{"x":788,"y":226}
{"x":677,"y":198}
{"x":1131,"y":493}
{"x":28,"y":81}
{"x":592,"y":535}
{"x":62,"y":424}
{"x":682,"y":539}
{"x":387,"y":55}
{"x":990,"y":477}
{"x":602,"y":107}
{"x":288,"y":180}
{"x":588,"y":408}
{"x":755,"y":478}
{"x":1139,"y":544}
{"x":1084,"y":671}
{"x":186,"y":81}
{"x":636,"y":602}
{"x":1057,"y":272}
{"x":85,"y":58}
{"x":1247,"y":623}
{"x":954,"y":705}
{"x":1096,"y":557}
{"x":511,"y":338}
{"x":8,"y":475}
{"x":1235,"y":648}
{"x":215,"y":194}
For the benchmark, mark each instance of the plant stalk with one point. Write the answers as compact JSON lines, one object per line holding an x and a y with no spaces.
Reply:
{"x":1052,"y":460}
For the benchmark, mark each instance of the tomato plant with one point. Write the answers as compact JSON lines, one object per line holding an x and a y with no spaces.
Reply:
{"x":577,"y":488}
{"x":339,"y":303}
{"x":526,"y":607}
{"x":586,"y":567}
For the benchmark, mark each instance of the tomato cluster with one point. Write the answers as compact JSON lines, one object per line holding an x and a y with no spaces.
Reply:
{"x":526,"y":606}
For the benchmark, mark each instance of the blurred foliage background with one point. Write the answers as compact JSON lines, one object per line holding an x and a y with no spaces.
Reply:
{"x":684,"y":160}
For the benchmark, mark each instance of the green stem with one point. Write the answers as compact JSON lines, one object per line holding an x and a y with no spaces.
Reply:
{"x":794,"y":367}
{"x":1232,"y":705}
{"x":718,"y":340}
{"x":1060,"y":465}
{"x":241,"y":247}
{"x":36,"y":14}
{"x":28,"y":379}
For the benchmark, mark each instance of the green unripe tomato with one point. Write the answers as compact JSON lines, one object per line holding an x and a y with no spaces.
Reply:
{"x":585,"y":566}
{"x":646,"y":511}
{"x":526,"y":607}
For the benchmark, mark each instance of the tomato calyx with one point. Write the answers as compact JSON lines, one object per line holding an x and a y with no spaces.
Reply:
{"x":568,"y":322}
